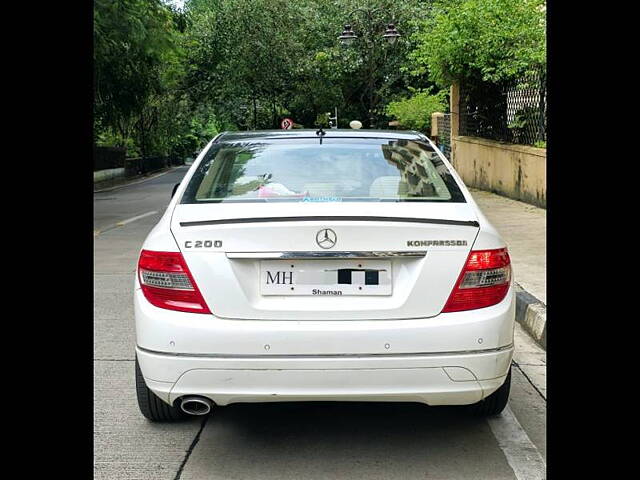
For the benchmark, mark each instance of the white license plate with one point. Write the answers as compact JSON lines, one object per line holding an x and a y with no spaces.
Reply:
{"x":325,"y":277}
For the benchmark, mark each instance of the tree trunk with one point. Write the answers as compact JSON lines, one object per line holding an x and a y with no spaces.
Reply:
{"x":143,"y":148}
{"x":255,"y":114}
{"x":275,"y":114}
{"x":123,"y":131}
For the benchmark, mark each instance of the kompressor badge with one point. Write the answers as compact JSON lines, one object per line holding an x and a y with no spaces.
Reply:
{"x":436,"y":243}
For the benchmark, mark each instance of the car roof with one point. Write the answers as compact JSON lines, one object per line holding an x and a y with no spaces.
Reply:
{"x":253,"y":135}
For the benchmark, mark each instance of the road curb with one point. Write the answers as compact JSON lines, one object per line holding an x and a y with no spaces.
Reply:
{"x":133,"y":180}
{"x":531,"y":313}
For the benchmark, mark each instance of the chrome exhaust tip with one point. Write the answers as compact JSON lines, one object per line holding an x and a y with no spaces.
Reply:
{"x":196,"y":405}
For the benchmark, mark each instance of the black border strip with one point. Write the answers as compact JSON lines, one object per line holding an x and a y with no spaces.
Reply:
{"x":469,"y":223}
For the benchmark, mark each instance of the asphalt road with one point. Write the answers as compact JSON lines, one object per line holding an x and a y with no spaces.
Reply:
{"x":284,"y":441}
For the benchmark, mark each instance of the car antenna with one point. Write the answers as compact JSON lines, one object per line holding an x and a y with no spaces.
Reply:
{"x":321,"y":133}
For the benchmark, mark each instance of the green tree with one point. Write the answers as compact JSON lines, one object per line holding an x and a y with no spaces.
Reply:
{"x":375,"y":71}
{"x":133,"y":43}
{"x":242,"y":55}
{"x":254,"y":61}
{"x":489,"y":40}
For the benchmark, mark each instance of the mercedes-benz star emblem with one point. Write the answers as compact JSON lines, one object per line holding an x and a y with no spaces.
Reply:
{"x":326,"y":238}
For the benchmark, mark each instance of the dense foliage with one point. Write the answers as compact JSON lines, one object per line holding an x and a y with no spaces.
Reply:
{"x":489,"y":40}
{"x":257,"y":60}
{"x":168,"y":79}
{"x":415,"y":112}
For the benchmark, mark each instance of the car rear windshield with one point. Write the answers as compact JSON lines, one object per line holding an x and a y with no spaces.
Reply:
{"x":336,"y":170}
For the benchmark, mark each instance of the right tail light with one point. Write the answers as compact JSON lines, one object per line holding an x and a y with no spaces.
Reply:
{"x":484,"y":281}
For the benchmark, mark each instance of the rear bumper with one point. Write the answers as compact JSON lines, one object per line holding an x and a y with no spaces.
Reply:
{"x":434,"y":379}
{"x":233,"y":361}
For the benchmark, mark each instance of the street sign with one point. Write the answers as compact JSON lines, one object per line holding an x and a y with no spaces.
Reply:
{"x":286,"y":124}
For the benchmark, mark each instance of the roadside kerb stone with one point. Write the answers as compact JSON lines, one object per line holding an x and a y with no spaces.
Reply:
{"x":100,"y":186}
{"x":531,"y":313}
{"x":108,"y":178}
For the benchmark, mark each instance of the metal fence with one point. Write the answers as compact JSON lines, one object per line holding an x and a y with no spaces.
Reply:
{"x":514,"y":111}
{"x":108,"y":157}
{"x":139,"y":166}
{"x":444,"y":134}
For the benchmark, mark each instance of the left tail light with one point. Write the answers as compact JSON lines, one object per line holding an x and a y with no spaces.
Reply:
{"x":167,"y":282}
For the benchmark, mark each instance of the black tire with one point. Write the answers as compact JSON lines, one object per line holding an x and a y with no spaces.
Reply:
{"x":151,"y":406}
{"x":494,"y":403}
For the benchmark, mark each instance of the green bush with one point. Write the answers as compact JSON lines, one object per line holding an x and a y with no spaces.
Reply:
{"x":415,"y":112}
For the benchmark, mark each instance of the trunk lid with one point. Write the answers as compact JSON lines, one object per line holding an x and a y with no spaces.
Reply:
{"x":424,"y":244}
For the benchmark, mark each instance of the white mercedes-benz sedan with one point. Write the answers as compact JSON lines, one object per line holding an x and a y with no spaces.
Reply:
{"x":336,"y":265}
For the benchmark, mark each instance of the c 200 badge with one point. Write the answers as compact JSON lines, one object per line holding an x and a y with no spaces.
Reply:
{"x":202,"y":243}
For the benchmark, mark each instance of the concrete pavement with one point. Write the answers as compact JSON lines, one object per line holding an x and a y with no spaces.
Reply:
{"x":306,"y":440}
{"x":524,"y":228}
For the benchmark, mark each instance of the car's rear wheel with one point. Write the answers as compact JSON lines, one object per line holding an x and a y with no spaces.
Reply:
{"x":494,"y":403}
{"x":151,"y":406}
